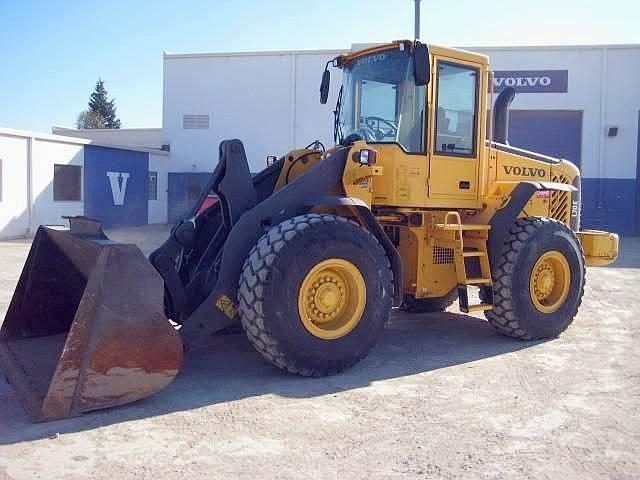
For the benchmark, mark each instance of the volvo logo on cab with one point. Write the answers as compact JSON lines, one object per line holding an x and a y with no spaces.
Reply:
{"x":524,"y":171}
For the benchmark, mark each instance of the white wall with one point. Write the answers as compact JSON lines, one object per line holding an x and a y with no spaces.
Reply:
{"x":14,"y":215}
{"x":622,"y":105}
{"x":247,"y":96}
{"x":136,"y":137}
{"x":158,"y":208}
{"x":46,"y":154}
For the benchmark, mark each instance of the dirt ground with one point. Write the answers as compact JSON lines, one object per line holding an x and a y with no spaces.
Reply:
{"x":441,"y":396}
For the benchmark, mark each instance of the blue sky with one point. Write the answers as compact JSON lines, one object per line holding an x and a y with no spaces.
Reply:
{"x":51,"y":53}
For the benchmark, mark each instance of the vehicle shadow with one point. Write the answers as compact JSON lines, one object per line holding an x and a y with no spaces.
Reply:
{"x":223,"y":368}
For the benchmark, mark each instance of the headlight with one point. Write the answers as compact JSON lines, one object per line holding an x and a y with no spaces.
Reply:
{"x":365,"y":156}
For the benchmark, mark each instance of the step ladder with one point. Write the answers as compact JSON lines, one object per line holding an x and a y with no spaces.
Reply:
{"x":467,"y":241}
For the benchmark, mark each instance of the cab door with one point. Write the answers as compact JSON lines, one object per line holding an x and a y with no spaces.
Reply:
{"x":454,"y":159}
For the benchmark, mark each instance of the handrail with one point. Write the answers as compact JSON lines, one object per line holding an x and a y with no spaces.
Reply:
{"x":458,"y":223}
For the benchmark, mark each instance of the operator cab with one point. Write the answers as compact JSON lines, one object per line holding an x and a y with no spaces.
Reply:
{"x":422,"y":109}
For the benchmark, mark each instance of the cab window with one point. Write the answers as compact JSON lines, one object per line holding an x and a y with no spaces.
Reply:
{"x":378,"y":100}
{"x":456,"y":110}
{"x":381,"y":102}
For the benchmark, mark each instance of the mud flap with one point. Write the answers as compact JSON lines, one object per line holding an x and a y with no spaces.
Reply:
{"x":86,"y":327}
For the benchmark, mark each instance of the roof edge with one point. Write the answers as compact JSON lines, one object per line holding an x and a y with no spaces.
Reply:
{"x":576,"y":46}
{"x":12,"y":132}
{"x":172,"y":56}
{"x":62,"y":127}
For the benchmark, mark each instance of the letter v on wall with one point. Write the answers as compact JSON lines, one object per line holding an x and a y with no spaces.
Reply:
{"x":118,"y":181}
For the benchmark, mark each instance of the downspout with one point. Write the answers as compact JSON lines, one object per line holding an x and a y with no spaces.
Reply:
{"x":30,"y":226}
{"x":603,"y":111}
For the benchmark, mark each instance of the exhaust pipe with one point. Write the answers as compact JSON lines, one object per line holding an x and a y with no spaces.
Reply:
{"x":501,"y":115}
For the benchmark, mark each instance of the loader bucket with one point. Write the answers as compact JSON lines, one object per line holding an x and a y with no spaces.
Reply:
{"x":86,"y":327}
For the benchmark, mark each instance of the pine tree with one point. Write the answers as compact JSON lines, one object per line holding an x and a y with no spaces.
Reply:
{"x":100,"y":104}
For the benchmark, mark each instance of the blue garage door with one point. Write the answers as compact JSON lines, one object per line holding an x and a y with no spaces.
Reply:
{"x":557,"y":133}
{"x":116,"y":186}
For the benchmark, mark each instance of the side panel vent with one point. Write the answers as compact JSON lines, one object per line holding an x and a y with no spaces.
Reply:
{"x":442,"y":255}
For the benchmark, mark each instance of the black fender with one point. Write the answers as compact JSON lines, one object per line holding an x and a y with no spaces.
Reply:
{"x":218,"y":309}
{"x":504,"y":218}
{"x":368,"y":220}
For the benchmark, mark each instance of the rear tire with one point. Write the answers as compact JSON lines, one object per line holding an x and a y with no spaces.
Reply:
{"x":539,"y":280}
{"x":302,"y":268}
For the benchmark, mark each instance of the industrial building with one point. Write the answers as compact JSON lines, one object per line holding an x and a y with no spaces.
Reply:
{"x":575,"y":102}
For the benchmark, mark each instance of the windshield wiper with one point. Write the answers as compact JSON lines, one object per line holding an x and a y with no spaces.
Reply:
{"x":337,"y":127}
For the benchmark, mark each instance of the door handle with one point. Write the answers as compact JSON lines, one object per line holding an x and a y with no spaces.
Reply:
{"x":464,"y":185}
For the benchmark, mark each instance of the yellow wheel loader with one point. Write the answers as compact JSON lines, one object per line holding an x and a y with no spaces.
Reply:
{"x":420,"y":199}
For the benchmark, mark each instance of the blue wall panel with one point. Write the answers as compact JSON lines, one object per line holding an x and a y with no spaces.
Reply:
{"x":609,"y":204}
{"x":108,"y":197}
{"x":184,"y":189}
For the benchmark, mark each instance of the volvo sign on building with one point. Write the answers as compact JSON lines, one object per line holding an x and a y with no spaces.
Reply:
{"x":532,"y":81}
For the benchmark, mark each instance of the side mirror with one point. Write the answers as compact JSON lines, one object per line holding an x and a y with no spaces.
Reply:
{"x":421,"y":66}
{"x":324,"y":86}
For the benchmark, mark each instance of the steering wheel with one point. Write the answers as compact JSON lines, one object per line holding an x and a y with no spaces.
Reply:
{"x":367,"y":134}
{"x":374,"y":123}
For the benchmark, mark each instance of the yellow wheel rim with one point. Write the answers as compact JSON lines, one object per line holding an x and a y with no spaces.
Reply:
{"x":550,"y":281}
{"x":332,"y":298}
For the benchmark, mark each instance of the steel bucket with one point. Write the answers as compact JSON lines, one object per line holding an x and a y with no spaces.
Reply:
{"x":86,"y":327}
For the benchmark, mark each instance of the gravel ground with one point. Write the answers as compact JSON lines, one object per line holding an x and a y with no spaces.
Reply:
{"x":441,"y":396}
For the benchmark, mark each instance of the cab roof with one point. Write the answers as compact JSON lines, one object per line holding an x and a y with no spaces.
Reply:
{"x":455,"y":53}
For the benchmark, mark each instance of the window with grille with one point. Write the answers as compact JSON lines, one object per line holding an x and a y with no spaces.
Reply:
{"x":67,"y":183}
{"x":153,"y":186}
{"x":195,"y":122}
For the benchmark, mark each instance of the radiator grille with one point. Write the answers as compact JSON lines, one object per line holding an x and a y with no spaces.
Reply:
{"x":442,"y":255}
{"x":560,"y":202}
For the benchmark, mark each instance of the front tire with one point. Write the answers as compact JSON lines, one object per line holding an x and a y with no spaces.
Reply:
{"x":539,"y":280}
{"x":315,"y":294}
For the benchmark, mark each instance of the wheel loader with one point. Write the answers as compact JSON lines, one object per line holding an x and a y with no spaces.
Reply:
{"x":420,"y":200}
